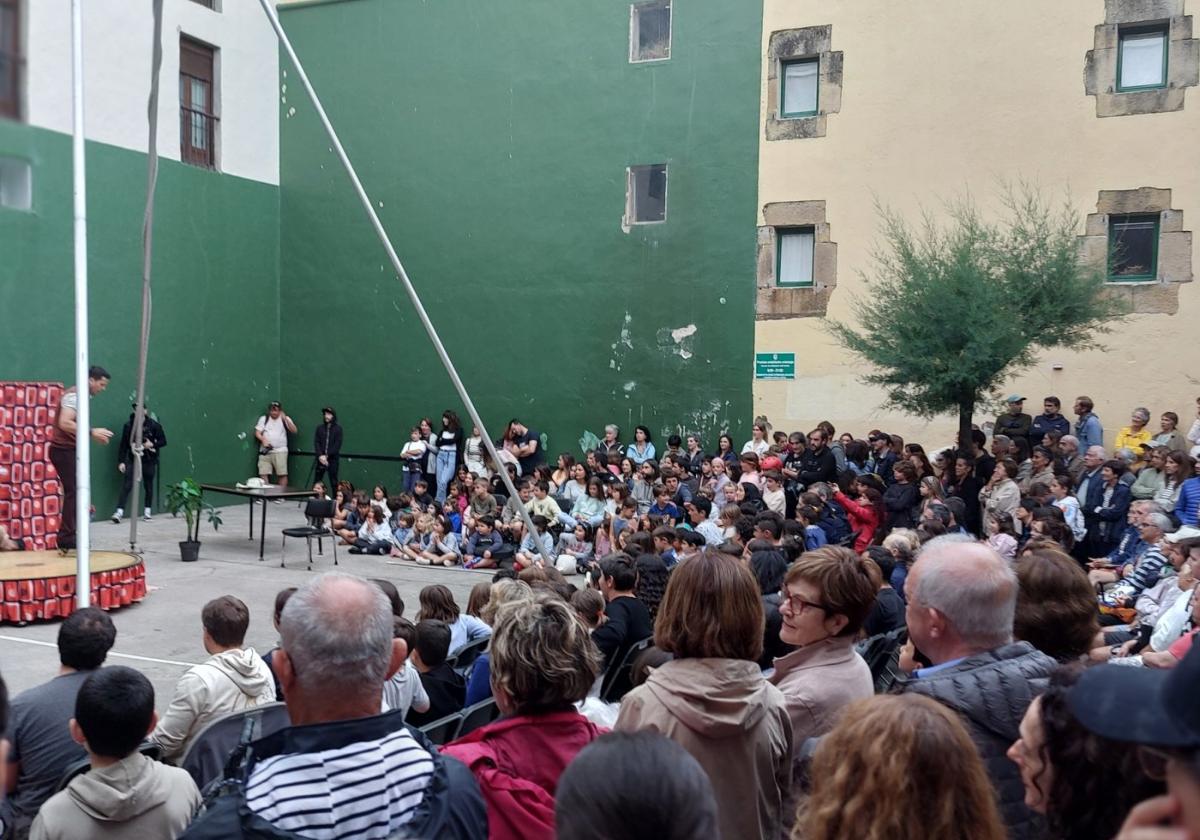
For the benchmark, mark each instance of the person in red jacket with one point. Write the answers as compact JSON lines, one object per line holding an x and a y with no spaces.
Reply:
{"x":542,"y":663}
{"x":866,"y":514}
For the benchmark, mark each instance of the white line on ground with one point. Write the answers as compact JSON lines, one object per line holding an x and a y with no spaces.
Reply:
{"x":110,"y":653}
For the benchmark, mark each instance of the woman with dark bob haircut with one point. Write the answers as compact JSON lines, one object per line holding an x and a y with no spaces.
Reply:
{"x":712,"y":699}
{"x":629,"y":786}
{"x":1085,"y":785}
{"x":1056,"y":605}
{"x":543,"y":662}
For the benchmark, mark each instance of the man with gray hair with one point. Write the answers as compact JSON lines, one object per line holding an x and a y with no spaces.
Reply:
{"x":1137,"y":575}
{"x":1071,"y":457}
{"x":343,"y":769}
{"x":961,"y":600}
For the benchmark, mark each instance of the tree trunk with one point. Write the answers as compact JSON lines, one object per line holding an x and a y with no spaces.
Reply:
{"x":966,"y":410}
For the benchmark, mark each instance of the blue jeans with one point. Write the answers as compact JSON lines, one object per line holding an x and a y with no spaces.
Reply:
{"x":445,"y":472}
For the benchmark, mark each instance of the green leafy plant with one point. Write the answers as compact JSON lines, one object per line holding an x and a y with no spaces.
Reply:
{"x":187,"y":498}
{"x":954,"y":309}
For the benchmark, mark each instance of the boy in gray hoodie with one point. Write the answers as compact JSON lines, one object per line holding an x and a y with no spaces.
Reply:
{"x":125,"y":794}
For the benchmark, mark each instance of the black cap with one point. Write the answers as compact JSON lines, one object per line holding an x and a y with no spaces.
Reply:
{"x":276,"y":404}
{"x":1142,"y":705}
{"x":328,"y":409}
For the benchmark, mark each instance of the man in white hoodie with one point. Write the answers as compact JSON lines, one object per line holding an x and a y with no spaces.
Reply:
{"x":125,"y":794}
{"x":233,"y":678}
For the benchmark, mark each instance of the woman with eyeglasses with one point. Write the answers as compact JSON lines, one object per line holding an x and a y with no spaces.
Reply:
{"x":827,"y":595}
{"x":711,"y":698}
{"x":1084,"y":784}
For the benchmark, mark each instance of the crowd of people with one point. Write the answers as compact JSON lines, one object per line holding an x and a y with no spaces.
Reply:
{"x":813,"y":637}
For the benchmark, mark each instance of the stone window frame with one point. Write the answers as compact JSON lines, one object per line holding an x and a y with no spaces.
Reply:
{"x":792,"y":45}
{"x":773,"y":301}
{"x":1100,"y":64}
{"x":1160,"y":295}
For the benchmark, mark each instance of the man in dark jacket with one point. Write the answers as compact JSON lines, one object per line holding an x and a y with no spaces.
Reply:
{"x":327,"y":444}
{"x":335,"y":654}
{"x":883,"y":459}
{"x":961,"y":599}
{"x":153,"y":440}
{"x":817,"y":463}
{"x":1014,"y":423}
{"x":1050,"y":420}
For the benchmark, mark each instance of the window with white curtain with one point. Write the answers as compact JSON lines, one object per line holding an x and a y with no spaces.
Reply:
{"x":1142,"y":58}
{"x":794,"y":266}
{"x":799,"y":88}
{"x":16,"y":183}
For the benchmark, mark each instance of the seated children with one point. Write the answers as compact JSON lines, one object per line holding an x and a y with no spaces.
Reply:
{"x":542,"y":503}
{"x":482,"y":503}
{"x":447,"y":690}
{"x":404,"y":690}
{"x":402,"y":534}
{"x":575,"y":550}
{"x":374,"y":537}
{"x":444,"y":547}
{"x":529,"y":554}
{"x":482,"y":546}
{"x":355,"y":521}
{"x":814,"y":535}
{"x":663,"y":507}
{"x":420,"y":541}
{"x":420,"y":495}
{"x":125,"y":794}
{"x":511,"y":525}
{"x":773,"y":496}
{"x":379,"y":499}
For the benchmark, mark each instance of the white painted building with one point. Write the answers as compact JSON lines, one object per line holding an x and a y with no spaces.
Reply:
{"x":232,"y":124}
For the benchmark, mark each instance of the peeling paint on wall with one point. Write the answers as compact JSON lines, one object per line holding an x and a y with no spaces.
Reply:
{"x":678,"y":342}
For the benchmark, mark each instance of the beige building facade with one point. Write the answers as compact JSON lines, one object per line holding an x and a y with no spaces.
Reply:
{"x":910,"y":104}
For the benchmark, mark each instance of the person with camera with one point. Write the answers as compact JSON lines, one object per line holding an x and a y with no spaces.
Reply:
{"x":272,"y":430}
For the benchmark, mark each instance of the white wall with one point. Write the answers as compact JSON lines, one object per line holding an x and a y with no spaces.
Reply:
{"x":117,"y":52}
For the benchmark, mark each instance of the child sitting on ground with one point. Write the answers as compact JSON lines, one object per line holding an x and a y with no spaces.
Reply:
{"x":542,"y":504}
{"x":453,"y":517}
{"x":374,"y":537}
{"x":575,"y":550}
{"x":379,"y":499}
{"x":479,"y":552}
{"x":444,"y":546}
{"x":529,"y":554}
{"x":421,"y":540}
{"x":402,"y":534}
{"x":420,"y":495}
{"x":483,"y":503}
{"x":773,"y":496}
{"x":355,"y":521}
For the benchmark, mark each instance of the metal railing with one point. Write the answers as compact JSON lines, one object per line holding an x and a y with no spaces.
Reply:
{"x":197,"y":138}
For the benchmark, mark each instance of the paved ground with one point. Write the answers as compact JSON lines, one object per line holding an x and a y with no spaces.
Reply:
{"x":161,"y":635}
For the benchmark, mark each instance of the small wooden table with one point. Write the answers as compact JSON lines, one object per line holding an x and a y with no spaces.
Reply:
{"x":272,"y":492}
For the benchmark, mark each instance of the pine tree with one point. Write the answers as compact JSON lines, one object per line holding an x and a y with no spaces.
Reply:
{"x":953,"y":310}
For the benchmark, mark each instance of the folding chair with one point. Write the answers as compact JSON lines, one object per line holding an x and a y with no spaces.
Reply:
{"x":617,"y":679}
{"x":209,"y":751}
{"x":442,"y":731}
{"x":473,"y":717}
{"x":466,"y":655}
{"x":317,"y":511}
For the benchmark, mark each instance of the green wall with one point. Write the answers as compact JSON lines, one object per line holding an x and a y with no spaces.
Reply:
{"x":493,"y":138}
{"x":214,"y":349}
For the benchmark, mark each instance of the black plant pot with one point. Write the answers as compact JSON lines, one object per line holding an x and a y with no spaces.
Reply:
{"x":189,"y":551}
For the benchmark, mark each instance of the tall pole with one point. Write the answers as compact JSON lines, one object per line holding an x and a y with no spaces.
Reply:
{"x":414,"y":298}
{"x":83,"y":437}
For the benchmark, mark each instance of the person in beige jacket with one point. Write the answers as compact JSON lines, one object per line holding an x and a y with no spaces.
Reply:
{"x":125,"y":794}
{"x":712,"y":699}
{"x":827,"y":595}
{"x":232,"y":679}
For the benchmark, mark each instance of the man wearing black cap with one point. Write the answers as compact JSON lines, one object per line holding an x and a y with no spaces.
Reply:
{"x":883,"y":459}
{"x":1159,"y":711}
{"x":327,"y":444}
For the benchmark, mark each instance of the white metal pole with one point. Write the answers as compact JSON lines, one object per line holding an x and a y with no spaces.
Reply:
{"x":413,"y":297}
{"x":83,"y":437}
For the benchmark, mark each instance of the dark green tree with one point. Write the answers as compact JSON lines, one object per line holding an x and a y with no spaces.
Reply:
{"x":953,"y":309}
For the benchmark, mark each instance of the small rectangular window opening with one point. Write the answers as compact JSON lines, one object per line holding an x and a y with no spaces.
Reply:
{"x":646,"y":194}
{"x":16,"y":184}
{"x":798,"y":91}
{"x":794,"y":256}
{"x":650,"y":31}
{"x":1142,"y":58}
{"x":1132,"y":248}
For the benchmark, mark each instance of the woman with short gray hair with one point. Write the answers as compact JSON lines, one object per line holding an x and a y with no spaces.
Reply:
{"x":543,"y":662}
{"x":1132,"y":437}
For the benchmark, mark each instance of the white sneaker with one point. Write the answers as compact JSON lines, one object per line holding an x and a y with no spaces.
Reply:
{"x":116,"y":517}
{"x":146,"y":515}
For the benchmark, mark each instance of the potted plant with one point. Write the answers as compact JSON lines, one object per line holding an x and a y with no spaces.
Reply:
{"x":187,"y":498}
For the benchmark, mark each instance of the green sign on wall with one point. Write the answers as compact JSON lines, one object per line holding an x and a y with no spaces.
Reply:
{"x":774,"y":365}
